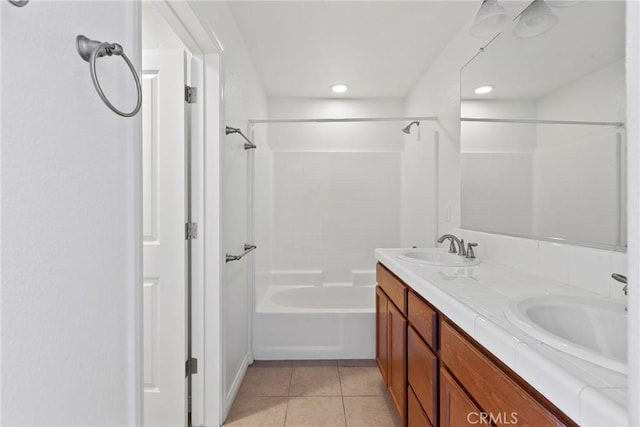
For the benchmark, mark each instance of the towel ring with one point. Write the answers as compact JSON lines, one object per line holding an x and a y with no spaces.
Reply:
{"x":19,"y":3}
{"x":89,"y":50}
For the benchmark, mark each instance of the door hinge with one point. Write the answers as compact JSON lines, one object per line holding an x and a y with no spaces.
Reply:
{"x":191,"y":230}
{"x":190,"y":94}
{"x":191,"y":366}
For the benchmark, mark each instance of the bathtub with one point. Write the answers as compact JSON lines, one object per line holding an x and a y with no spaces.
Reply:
{"x":328,"y":321}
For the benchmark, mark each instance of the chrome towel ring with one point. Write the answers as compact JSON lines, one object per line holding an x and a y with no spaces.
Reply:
{"x":19,"y":3}
{"x":89,"y":50}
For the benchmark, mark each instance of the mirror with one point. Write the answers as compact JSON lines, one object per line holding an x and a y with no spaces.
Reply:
{"x":543,"y":153}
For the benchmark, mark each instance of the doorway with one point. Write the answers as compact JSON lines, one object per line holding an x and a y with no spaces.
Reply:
{"x":179,"y":346}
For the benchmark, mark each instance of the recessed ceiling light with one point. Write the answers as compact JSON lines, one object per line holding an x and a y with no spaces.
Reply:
{"x":339,"y":88}
{"x":483,"y":89}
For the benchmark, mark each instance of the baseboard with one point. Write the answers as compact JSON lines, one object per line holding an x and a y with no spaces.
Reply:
{"x":237,"y":381}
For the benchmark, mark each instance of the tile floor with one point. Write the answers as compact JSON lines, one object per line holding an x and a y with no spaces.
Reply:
{"x":308,"y":393}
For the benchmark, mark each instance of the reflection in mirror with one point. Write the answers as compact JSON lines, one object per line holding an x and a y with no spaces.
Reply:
{"x":543,"y":153}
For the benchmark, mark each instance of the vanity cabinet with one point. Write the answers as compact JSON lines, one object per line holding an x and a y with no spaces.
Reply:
{"x":391,"y":337}
{"x":397,"y":369}
{"x":382,"y":333}
{"x":456,"y":407}
{"x":422,"y":373}
{"x":415,"y":413}
{"x":498,"y":392}
{"x":437,"y":375}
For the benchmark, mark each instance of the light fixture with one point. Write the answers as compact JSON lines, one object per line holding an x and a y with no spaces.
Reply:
{"x":490,"y":19}
{"x":536,"y":19}
{"x":339,"y":88}
{"x":481,"y":90}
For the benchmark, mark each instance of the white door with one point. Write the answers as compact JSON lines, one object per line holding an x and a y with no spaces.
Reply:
{"x":164,"y":237}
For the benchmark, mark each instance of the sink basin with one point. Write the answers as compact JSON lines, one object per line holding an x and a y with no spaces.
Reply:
{"x":437,"y":257}
{"x":591,"y":328}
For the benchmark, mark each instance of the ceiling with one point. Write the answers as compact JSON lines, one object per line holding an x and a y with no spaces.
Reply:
{"x":379,"y":48}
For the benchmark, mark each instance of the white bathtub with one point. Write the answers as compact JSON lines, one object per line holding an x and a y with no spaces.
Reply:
{"x":315,"y":322}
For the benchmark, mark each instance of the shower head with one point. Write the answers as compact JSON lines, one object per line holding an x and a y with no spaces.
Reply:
{"x":407,"y":128}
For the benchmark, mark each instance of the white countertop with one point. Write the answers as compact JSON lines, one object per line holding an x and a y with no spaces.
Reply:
{"x":475,"y":297}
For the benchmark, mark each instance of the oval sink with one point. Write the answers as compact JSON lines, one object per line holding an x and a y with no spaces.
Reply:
{"x":591,"y":328}
{"x":437,"y":257}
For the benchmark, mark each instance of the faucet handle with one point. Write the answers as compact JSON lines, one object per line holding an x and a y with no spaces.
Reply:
{"x":619,"y":277}
{"x":622,"y":279}
{"x":452,"y":247}
{"x":470,"y":253}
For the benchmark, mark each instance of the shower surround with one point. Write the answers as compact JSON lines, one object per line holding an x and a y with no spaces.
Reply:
{"x":326,"y":195}
{"x":330,"y":211}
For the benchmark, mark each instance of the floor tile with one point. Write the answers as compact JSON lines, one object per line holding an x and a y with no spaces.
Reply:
{"x":315,"y":412}
{"x":270,"y":363}
{"x":370,"y":411}
{"x":315,"y":381}
{"x":357,"y":362}
{"x":314,"y":363}
{"x":257,"y":412}
{"x":266,"y":381}
{"x":361,"y":381}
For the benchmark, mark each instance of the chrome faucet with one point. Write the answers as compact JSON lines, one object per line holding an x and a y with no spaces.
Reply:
{"x":453,"y":241}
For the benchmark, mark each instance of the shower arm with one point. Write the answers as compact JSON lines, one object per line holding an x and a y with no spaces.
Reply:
{"x":248,"y":145}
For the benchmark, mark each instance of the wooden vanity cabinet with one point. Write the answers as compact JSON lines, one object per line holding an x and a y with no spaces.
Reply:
{"x":496,"y":389}
{"x":397,"y":369}
{"x":437,"y":375}
{"x":382,"y":333}
{"x":415,"y":413}
{"x":422,"y":372}
{"x":391,"y":337}
{"x":456,"y":407}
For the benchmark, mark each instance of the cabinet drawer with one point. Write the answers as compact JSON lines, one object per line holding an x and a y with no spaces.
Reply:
{"x":492,"y":388}
{"x":424,"y":319}
{"x":393,"y":287}
{"x":415,"y":415}
{"x":422,"y":368}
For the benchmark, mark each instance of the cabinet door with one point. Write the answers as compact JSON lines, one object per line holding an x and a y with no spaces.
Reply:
{"x":477,"y":373}
{"x":415,"y":414}
{"x":397,"y":381}
{"x":382,"y":334}
{"x":456,"y":408}
{"x":422,"y":372}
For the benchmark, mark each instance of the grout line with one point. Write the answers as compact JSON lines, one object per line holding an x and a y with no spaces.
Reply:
{"x":286,"y":409}
{"x":344,"y":407}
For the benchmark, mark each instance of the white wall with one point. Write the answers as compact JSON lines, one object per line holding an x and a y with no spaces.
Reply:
{"x":419,"y":186}
{"x":156,"y":32}
{"x":244,"y":99}
{"x":335,"y":192}
{"x":70,"y":219}
{"x":437,"y":93}
{"x":331,"y":137}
